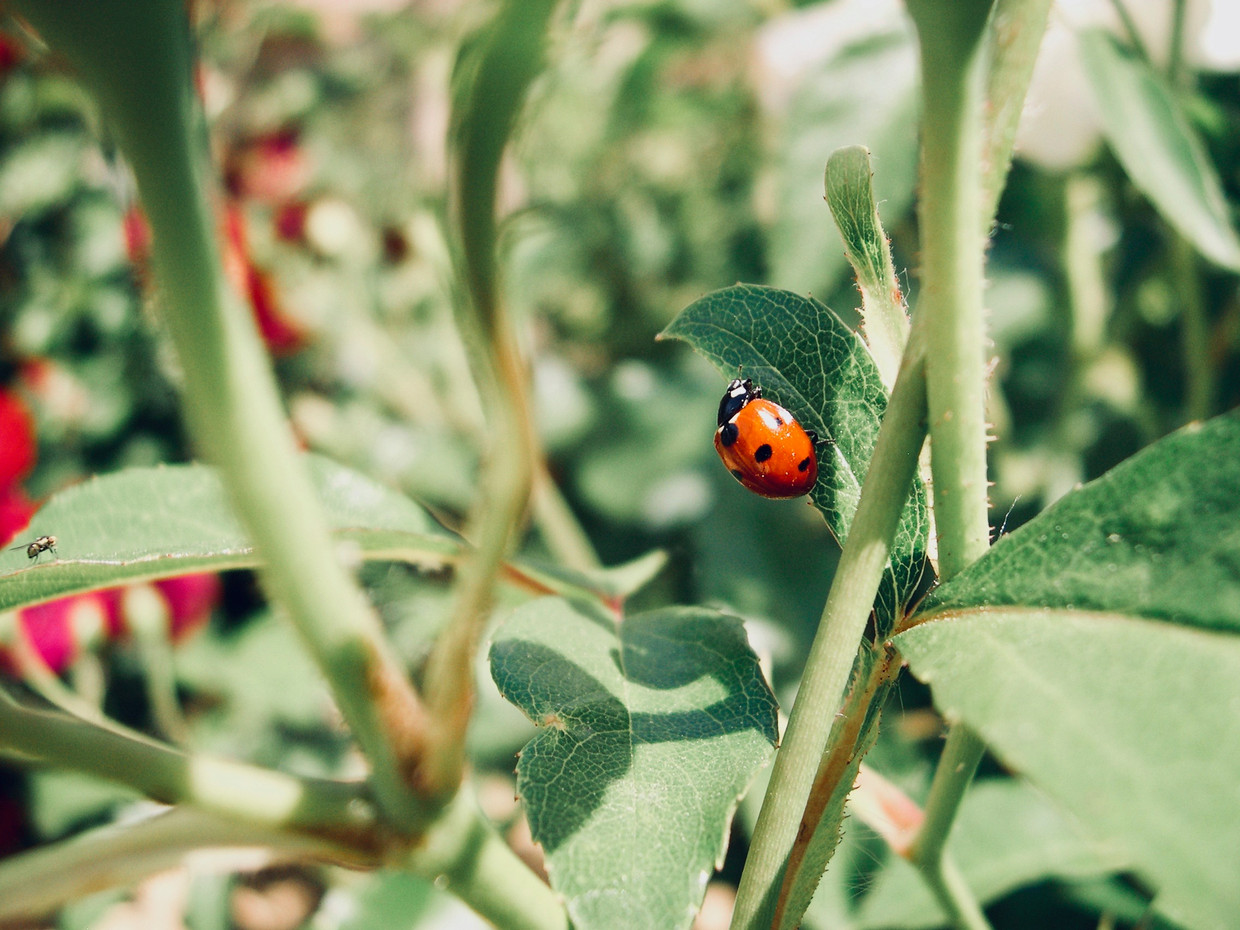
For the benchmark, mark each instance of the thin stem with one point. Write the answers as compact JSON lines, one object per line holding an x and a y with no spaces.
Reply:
{"x":491,"y":81}
{"x":558,"y":524}
{"x":328,"y":810}
{"x":1176,"y":71}
{"x":956,"y":897}
{"x":149,"y":620}
{"x":35,"y":883}
{"x":137,"y":60}
{"x":1199,"y":371}
{"x":1088,"y":295}
{"x":961,"y":754}
{"x":1130,"y":27}
{"x":466,"y":855}
{"x":862,"y":562}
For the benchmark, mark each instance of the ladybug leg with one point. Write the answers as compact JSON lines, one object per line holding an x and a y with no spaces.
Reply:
{"x":813,"y":437}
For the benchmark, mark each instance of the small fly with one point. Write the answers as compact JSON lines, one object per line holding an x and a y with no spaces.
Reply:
{"x":38,"y":547}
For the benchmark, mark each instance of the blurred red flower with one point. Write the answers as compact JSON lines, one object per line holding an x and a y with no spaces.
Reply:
{"x":17,"y":442}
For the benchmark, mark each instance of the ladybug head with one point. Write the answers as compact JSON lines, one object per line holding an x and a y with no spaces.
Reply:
{"x":737,"y":395}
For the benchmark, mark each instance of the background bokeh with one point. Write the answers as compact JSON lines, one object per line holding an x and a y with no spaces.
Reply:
{"x":671,"y":148}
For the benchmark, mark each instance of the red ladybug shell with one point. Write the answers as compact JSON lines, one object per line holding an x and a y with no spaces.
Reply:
{"x":763,"y":445}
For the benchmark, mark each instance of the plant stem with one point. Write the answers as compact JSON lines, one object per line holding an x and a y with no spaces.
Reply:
{"x":491,"y":81}
{"x":323,"y":809}
{"x":953,"y":248}
{"x":1175,"y":60}
{"x":1199,"y":371}
{"x":474,"y":863}
{"x":136,"y":58}
{"x":35,"y":883}
{"x":954,"y":894}
{"x":1134,"y":34}
{"x":563,"y":534}
{"x":954,"y":67}
{"x":884,"y":495}
{"x":961,"y":754}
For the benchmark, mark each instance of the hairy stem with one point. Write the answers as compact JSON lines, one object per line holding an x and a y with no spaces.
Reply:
{"x":954,"y":60}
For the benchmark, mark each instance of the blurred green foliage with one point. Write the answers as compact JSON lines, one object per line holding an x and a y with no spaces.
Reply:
{"x":672,"y":148}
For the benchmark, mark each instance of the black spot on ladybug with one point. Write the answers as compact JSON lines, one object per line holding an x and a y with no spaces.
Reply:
{"x":763,"y":452}
{"x":728,"y":433}
{"x":803,"y":465}
{"x":779,"y":421}
{"x":738,"y":474}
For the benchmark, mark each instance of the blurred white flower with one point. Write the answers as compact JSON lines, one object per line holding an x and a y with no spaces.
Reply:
{"x":792,"y":44}
{"x":1060,"y":128}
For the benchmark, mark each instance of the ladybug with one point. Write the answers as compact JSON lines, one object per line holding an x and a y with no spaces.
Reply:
{"x":763,"y":445}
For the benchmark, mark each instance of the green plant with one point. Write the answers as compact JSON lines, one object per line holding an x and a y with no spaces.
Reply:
{"x":1092,"y":649}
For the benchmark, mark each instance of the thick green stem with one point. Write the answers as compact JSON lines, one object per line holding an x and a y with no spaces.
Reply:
{"x":954,"y":71}
{"x":953,"y":249}
{"x":235,"y":790}
{"x":866,"y":551}
{"x":473,"y":862}
{"x":136,"y":58}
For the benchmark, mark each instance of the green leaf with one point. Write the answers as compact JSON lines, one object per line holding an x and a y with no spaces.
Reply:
{"x":146,"y":523}
{"x":850,"y":195}
{"x":1157,"y":537}
{"x":1158,"y":147}
{"x":844,"y":103}
{"x":651,"y":729}
{"x":613,"y":583}
{"x":1036,"y":842}
{"x":1045,"y":646}
{"x":1129,"y":725}
{"x":806,"y":359}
